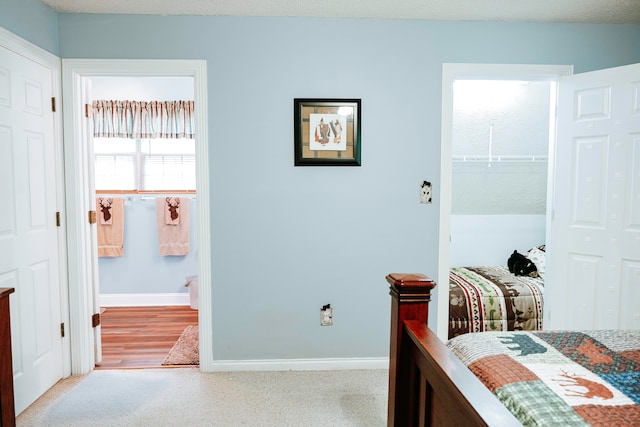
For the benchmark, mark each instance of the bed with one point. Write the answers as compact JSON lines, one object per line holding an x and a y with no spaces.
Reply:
{"x":492,"y":298}
{"x":570,"y":377}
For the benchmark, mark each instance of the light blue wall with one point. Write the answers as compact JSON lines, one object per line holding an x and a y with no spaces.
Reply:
{"x":141,"y":269}
{"x":31,"y":20}
{"x":287,"y":240}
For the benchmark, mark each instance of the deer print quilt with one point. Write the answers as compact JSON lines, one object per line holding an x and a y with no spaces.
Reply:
{"x":559,"y":378}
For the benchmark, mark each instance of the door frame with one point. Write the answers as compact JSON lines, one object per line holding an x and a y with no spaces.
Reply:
{"x":451,"y":72}
{"x":79,"y":202}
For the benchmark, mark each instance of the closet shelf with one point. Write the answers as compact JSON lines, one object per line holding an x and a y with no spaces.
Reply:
{"x":499,"y":159}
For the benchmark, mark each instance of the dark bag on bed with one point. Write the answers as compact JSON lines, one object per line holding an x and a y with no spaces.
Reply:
{"x":520,"y":265}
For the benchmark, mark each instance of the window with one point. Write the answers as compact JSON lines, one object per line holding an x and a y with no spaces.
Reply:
{"x":145,"y":165}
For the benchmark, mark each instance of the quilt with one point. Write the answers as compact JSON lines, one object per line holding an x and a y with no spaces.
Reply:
{"x":493,"y":299}
{"x":559,"y":378}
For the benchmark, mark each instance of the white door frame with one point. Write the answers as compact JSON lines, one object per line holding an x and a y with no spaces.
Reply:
{"x":451,"y":72}
{"x":79,"y":201}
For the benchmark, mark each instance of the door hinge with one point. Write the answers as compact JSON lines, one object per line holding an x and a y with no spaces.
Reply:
{"x":53,"y":104}
{"x":95,"y":320}
{"x":87,"y":110}
{"x":92,"y":217}
{"x":62,"y":330}
{"x":57,"y":219}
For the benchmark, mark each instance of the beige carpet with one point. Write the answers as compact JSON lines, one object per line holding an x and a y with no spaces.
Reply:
{"x":186,"y":397}
{"x":185,"y":350}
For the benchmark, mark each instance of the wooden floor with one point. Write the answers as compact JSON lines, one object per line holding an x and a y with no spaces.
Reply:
{"x":141,"y":337}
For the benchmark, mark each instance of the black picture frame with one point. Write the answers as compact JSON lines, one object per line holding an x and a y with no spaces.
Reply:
{"x":327,"y":132}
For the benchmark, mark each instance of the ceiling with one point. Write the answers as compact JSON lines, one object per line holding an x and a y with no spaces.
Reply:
{"x":600,"y":11}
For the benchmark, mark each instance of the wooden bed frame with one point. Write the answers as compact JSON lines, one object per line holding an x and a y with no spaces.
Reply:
{"x":428,"y":385}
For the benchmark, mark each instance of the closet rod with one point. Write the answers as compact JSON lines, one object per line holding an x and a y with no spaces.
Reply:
{"x":500,"y":159}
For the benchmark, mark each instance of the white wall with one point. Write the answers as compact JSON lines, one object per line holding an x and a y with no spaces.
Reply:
{"x":478,"y":240}
{"x":143,"y":88}
{"x":506,"y":123}
{"x":499,"y":195}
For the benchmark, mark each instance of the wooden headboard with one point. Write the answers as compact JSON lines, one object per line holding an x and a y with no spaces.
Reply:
{"x":428,"y":385}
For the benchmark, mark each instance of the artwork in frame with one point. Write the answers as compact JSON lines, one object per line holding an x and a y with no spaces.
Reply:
{"x":326,"y":132}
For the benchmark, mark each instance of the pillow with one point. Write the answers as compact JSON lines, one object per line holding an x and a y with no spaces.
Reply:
{"x":538,"y":257}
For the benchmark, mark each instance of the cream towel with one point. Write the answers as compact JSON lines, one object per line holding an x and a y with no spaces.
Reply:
{"x":110,"y":226}
{"x":173,"y":237}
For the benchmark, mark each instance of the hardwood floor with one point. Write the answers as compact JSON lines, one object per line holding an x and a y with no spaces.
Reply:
{"x":141,"y":337}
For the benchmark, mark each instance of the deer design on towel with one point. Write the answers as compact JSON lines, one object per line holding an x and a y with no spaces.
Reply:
{"x":105,"y":208}
{"x":173,"y":204}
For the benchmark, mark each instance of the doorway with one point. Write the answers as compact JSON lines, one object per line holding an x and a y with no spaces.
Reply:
{"x":84,"y":292}
{"x":451,"y":73}
{"x":138,"y":171}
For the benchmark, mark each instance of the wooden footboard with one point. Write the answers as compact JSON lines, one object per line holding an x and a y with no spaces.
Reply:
{"x":428,"y":385}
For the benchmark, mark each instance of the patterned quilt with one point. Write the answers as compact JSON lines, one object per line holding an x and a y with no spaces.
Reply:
{"x":493,"y":299}
{"x":560,"y":378}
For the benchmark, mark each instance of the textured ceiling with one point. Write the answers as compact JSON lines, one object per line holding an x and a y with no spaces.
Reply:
{"x":605,"y":11}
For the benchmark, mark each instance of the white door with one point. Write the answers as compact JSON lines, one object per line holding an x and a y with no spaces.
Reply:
{"x":29,"y":258}
{"x":593,"y":277}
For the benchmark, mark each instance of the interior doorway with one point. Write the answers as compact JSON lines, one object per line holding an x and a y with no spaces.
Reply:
{"x":84,"y":292}
{"x":141,"y":168}
{"x":451,"y":73}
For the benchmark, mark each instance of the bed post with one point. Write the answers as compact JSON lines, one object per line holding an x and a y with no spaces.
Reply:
{"x":410,"y":296}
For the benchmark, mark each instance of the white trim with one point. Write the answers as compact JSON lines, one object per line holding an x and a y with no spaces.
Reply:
{"x":301,"y":364}
{"x":143,"y":300}
{"x":79,"y":200}
{"x":451,"y":72}
{"x":28,"y":50}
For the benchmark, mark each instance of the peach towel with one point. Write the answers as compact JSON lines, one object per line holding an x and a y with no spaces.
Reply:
{"x":110,"y":226}
{"x":173,"y":237}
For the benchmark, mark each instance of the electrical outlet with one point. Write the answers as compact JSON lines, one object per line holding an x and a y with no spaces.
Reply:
{"x":326,"y":315}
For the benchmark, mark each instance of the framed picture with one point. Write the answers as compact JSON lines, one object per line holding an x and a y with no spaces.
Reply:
{"x":326,"y":132}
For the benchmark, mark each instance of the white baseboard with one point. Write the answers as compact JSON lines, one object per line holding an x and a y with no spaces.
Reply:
{"x":143,"y":300}
{"x":300,"y":364}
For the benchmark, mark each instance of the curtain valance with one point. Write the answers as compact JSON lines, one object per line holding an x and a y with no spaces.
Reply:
{"x":139,"y":119}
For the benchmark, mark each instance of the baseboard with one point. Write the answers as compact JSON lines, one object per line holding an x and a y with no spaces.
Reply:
{"x":143,"y":300}
{"x":300,"y":364}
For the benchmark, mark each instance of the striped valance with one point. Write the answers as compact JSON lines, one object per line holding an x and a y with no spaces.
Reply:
{"x":138,"y":119}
